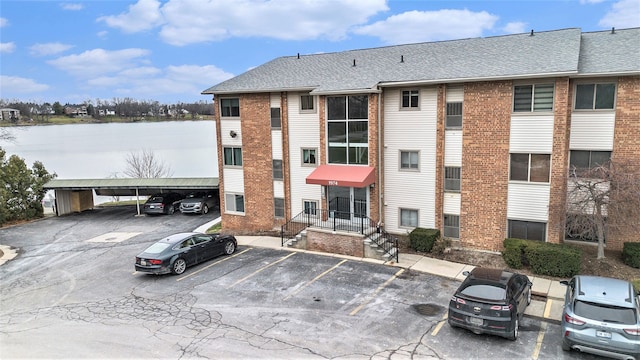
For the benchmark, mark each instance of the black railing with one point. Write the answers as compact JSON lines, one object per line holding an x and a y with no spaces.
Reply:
{"x":327,"y":219}
{"x":387,"y":242}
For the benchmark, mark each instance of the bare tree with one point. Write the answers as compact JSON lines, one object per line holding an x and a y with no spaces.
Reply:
{"x":603,"y":201}
{"x":145,"y":165}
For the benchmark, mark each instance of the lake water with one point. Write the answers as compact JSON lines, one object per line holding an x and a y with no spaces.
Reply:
{"x":90,"y":151}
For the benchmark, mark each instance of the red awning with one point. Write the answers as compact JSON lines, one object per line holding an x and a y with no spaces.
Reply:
{"x":342,"y":175}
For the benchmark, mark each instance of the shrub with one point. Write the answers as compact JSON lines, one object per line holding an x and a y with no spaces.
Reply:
{"x":631,"y":254}
{"x":554,"y":259}
{"x":421,"y":239}
{"x":513,"y":253}
{"x":441,"y":244}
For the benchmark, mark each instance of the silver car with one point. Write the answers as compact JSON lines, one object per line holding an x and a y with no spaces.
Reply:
{"x":601,"y":316}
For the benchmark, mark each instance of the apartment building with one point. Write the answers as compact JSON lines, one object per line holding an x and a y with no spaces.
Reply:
{"x":474,"y":137}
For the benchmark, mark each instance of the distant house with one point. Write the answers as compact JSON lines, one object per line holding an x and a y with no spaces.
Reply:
{"x":76,"y":111}
{"x":7,"y":114}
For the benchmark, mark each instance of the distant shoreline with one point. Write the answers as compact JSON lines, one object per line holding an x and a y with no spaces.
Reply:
{"x":64,"y":120}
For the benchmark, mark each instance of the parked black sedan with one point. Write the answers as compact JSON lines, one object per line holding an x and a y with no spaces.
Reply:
{"x":175,"y":253}
{"x":166,"y":203}
{"x":490,"y":301}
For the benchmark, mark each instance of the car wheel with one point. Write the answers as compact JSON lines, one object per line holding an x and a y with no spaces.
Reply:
{"x":229,"y":248}
{"x":205,"y":209}
{"x":514,"y":332}
{"x":529,"y":296}
{"x":171,"y":210}
{"x":179,"y":266}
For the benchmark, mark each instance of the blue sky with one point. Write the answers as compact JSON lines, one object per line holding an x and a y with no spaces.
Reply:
{"x":170,"y":51}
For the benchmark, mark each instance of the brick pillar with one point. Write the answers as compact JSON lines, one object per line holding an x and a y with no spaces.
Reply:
{"x":441,"y":114}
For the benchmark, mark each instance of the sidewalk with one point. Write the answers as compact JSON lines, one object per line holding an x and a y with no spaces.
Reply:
{"x":549,"y":309}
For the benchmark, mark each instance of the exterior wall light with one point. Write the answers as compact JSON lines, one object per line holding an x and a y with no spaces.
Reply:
{"x":233,"y":134}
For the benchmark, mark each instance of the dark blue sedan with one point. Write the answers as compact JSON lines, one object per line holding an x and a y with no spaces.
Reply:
{"x":175,"y":253}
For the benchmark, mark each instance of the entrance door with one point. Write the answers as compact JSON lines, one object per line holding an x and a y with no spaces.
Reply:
{"x":347,"y":202}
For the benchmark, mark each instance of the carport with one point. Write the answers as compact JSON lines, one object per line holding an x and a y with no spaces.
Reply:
{"x":76,"y":195}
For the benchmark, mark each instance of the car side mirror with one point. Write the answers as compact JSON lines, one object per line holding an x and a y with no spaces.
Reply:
{"x":564,"y":282}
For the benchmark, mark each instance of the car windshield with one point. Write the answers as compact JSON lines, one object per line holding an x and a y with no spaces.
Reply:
{"x":191,"y":196}
{"x":484,"y":291}
{"x":605,"y":313}
{"x":155,"y":199}
{"x":157,"y":248}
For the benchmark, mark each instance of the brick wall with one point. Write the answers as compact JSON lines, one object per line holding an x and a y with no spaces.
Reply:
{"x":485,"y":164}
{"x":374,"y":155}
{"x":337,"y":243}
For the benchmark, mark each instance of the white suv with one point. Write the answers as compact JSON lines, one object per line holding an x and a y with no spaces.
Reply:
{"x":601,"y":316}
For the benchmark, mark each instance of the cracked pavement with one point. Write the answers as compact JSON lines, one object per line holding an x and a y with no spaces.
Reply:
{"x":64,"y":297}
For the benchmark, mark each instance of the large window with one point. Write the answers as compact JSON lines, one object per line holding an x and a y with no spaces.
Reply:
{"x":307,"y":103}
{"x":309,"y":156}
{"x":232,"y":156}
{"x":451,"y":226}
{"x":348,"y":129}
{"x":409,"y":218}
{"x":595,"y":96}
{"x":409,"y":160}
{"x":230,"y":107}
{"x":277,"y":170}
{"x":528,"y":230}
{"x":452,"y":179}
{"x":310,"y":207}
{"x":585,"y":159}
{"x":410,"y":99}
{"x":454,"y":115}
{"x":278,"y":207}
{"x":530,"y":167}
{"x":276,"y":123}
{"x":527,"y":98}
{"x":234,"y":202}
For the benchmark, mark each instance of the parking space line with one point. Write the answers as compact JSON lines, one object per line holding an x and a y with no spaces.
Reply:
{"x":536,"y":351}
{"x":212,"y":264}
{"x":440,"y":324}
{"x":372,"y":295}
{"x":259,"y":270}
{"x":314,"y":280}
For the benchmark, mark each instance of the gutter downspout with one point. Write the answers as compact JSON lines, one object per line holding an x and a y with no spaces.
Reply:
{"x":380,"y":150}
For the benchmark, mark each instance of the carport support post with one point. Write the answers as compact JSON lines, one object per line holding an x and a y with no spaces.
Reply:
{"x":138,"y":201}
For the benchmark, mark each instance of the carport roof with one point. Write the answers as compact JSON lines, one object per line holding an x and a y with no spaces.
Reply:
{"x":131,"y":183}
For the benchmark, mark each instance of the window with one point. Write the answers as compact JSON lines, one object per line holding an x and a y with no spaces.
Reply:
{"x":585,"y":159}
{"x":595,"y":96}
{"x":454,"y":115}
{"x":452,"y":179}
{"x":309,"y":157}
{"x":408,"y":218}
{"x":409,"y":160}
{"x":451,"y":226}
{"x":527,"y":98}
{"x":278,"y":207}
{"x":277,"y":170}
{"x":527,"y":230}
{"x":230,"y":107}
{"x":348,"y":129}
{"x":307,"y":103}
{"x":234,"y":202}
{"x":232,"y":156}
{"x":276,"y":123}
{"x":310,"y":207}
{"x":410,"y":99}
{"x":530,"y":167}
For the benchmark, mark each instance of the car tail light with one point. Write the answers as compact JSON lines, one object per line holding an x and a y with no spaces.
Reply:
{"x":635,"y":331}
{"x":503,"y":308}
{"x":155,"y":262}
{"x":572,"y":320}
{"x":458,"y":300}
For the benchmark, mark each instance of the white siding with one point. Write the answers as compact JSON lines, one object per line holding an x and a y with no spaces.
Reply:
{"x":455,"y":93}
{"x":528,"y":202}
{"x":276,"y":144}
{"x":409,"y":130}
{"x":531,"y":134}
{"x":592,"y":131}
{"x":233,"y":180}
{"x":226,"y":126}
{"x":304,"y":132}
{"x":453,"y":148}
{"x":275,"y":100}
{"x":451,"y":204}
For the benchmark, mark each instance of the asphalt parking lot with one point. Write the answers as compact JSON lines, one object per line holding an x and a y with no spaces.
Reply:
{"x":72,"y":292}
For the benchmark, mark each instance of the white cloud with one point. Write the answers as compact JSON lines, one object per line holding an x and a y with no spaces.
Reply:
{"x":623,"y":14}
{"x":99,"y":61}
{"x":3,"y":22}
{"x":143,"y":15}
{"x":21,"y":85}
{"x":7,"y":47}
{"x":515,"y":27}
{"x":48,"y":48}
{"x":102,"y":34}
{"x":591,"y":1}
{"x":419,"y":26}
{"x":72,"y":6}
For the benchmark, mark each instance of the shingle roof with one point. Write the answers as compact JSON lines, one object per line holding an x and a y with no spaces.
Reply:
{"x":551,"y":53}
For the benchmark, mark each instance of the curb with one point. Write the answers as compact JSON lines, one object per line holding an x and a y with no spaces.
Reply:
{"x":8,"y":253}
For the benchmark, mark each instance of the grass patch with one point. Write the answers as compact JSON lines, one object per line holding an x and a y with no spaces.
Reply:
{"x":120,"y":203}
{"x":215,"y":228}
